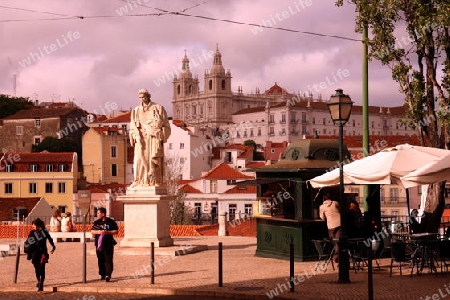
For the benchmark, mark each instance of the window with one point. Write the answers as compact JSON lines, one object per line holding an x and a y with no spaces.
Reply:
{"x":223,"y":84}
{"x":213,"y":186}
{"x":48,"y":168}
{"x":232,"y":211}
{"x":8,"y":168}
{"x":8,"y":188}
{"x":33,"y":168}
{"x":354,"y":123}
{"x":190,"y":89}
{"x":271,"y":119}
{"x":314,"y":120}
{"x":283,"y":118}
{"x":324,"y":121}
{"x":304,"y":130}
{"x":124,"y":128}
{"x":49,"y":188}
{"x":19,"y":213}
{"x":181,"y":145}
{"x":37,"y":140}
{"x":113,"y":151}
{"x":248,"y":209}
{"x":198,"y":210}
{"x":37,"y":122}
{"x":228,"y":158}
{"x":271,"y":131}
{"x":170,"y":146}
{"x":62,"y":209}
{"x":182,"y":160}
{"x":178,"y":89}
{"x":114,"y":170}
{"x":19,"y":130}
{"x":251,"y":132}
{"x":394,"y":195}
{"x":32,"y":188}
{"x":61,"y":187}
{"x":259,"y":131}
{"x":373,"y":124}
{"x":292,"y":118}
{"x":62,"y":168}
{"x":231,"y":181}
{"x":194,"y":110}
{"x":210,"y":84}
{"x":272,"y":150}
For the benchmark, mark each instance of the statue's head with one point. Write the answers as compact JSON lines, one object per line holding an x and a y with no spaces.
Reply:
{"x":144,"y":95}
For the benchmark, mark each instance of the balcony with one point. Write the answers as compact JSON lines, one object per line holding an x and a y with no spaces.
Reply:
{"x":283,"y":122}
{"x":305,"y":122}
{"x":282,"y":133}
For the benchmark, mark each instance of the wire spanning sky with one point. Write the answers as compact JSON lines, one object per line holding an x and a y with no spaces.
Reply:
{"x":94,"y":52}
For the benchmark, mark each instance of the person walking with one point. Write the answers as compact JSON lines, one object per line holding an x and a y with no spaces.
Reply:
{"x":329,"y":211}
{"x":36,"y":248}
{"x":104,"y":228}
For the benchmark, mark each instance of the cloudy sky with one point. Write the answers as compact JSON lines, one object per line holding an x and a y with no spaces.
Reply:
{"x":118,"y":48}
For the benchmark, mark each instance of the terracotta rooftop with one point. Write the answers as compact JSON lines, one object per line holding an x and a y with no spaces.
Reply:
{"x":242,"y":189}
{"x":322,"y":105}
{"x":125,"y":118}
{"x":8,"y":204}
{"x":224,"y":172}
{"x":23,"y":160}
{"x":103,"y":129}
{"x":255,"y":164}
{"x":246,"y":149}
{"x":188,"y":189}
{"x":41,"y":113}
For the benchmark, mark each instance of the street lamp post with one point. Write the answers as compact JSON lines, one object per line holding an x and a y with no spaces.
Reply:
{"x":340,"y":107}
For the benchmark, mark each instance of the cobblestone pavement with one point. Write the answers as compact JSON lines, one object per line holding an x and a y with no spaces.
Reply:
{"x":104,"y":296}
{"x":245,"y":276}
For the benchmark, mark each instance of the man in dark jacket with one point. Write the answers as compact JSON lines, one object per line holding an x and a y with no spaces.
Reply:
{"x":104,"y":228}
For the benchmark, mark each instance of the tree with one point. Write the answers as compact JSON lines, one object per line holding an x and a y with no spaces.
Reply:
{"x":173,"y":169}
{"x":10,"y":105}
{"x":256,"y":155}
{"x":52,"y":144}
{"x":411,"y":37}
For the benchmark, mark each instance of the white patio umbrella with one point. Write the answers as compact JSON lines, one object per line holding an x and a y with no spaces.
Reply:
{"x":432,"y":172}
{"x":384,"y":167}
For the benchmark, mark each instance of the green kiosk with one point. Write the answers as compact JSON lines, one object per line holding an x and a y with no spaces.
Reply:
{"x":288,"y":209}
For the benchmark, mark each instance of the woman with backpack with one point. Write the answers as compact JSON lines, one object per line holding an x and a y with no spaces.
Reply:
{"x":36,"y":248}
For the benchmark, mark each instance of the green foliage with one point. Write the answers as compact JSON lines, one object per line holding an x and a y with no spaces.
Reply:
{"x":180,"y":214}
{"x":52,"y":144}
{"x":256,"y":155}
{"x":412,"y":38}
{"x":10,"y":105}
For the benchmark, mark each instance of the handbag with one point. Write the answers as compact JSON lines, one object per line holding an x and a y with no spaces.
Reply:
{"x":100,"y":242}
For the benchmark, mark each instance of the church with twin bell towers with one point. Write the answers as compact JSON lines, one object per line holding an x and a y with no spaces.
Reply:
{"x":216,"y":103}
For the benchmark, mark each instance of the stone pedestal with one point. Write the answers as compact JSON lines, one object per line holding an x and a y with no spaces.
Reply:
{"x":146,"y":217}
{"x":223,"y":229}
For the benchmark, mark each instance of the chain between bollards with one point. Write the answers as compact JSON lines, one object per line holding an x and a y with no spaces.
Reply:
{"x":220,"y":265}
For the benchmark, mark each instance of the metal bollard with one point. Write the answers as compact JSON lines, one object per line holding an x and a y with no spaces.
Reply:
{"x":17,"y":263}
{"x":220,"y":265}
{"x":291,"y":265}
{"x":152,"y":263}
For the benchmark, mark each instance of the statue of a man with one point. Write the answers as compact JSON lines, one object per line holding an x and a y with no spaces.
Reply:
{"x":149,"y":129}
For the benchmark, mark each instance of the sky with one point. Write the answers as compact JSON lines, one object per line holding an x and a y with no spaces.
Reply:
{"x":100,"y":53}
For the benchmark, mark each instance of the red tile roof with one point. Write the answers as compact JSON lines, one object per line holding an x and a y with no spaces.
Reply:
{"x":322,"y":105}
{"x":22,"y":160}
{"x":103,"y":129}
{"x":125,"y":118}
{"x":8,"y":204}
{"x":185,"y":181}
{"x":242,"y":189}
{"x":225,"y":172}
{"x":255,"y":164}
{"x":41,"y":113}
{"x":188,"y":189}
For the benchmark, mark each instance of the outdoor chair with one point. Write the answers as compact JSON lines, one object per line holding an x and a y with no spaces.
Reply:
{"x":444,"y":254}
{"x":400,"y":255}
{"x":360,"y":255}
{"x":386,"y":245}
{"x":325,"y":250}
